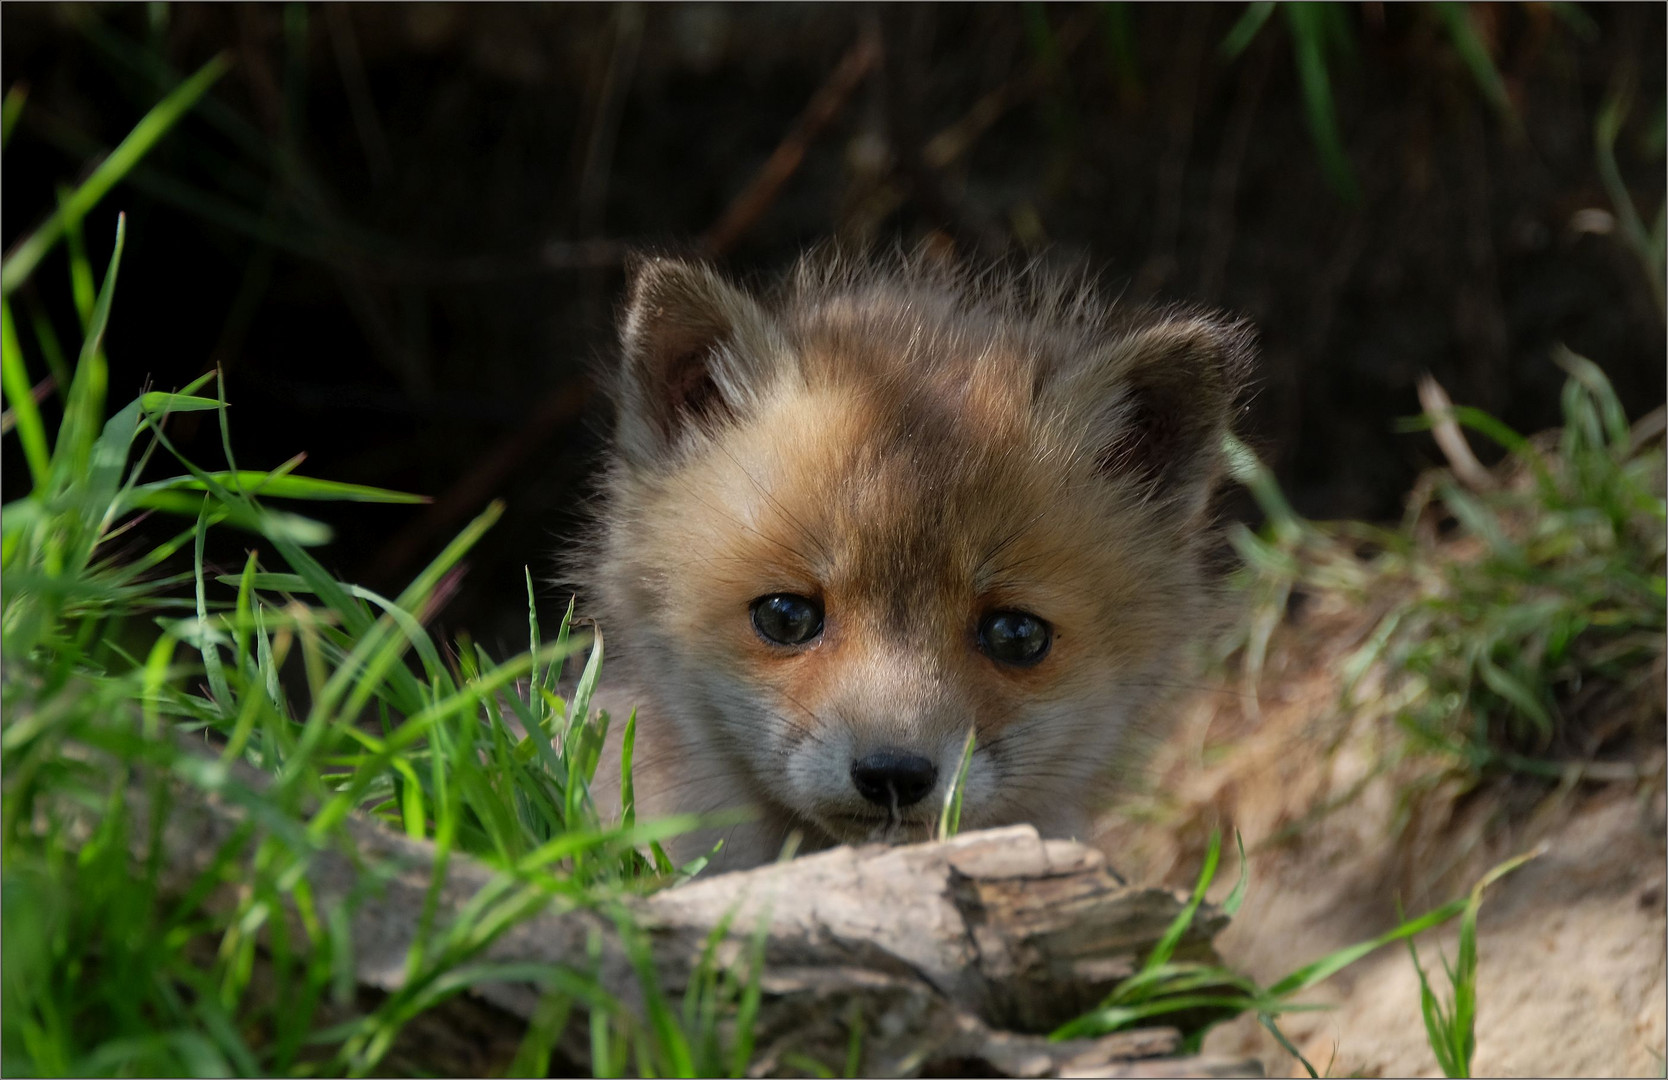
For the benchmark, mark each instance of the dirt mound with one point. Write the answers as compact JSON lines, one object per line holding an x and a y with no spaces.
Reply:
{"x":1340,"y":821}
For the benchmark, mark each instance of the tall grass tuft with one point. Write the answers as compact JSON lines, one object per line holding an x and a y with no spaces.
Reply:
{"x":1522,"y":609}
{"x":133,"y":666}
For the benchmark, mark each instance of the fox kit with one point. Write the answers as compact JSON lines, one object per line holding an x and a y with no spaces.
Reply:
{"x":851,"y":521}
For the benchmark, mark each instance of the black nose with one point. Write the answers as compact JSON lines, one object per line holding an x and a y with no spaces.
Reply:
{"x":886,"y":775}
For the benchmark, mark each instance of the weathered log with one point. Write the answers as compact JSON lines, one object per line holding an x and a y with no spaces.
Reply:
{"x":954,"y":957}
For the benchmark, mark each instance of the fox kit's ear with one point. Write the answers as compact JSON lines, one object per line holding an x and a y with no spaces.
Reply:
{"x":1160,"y":401}
{"x":695,"y":351}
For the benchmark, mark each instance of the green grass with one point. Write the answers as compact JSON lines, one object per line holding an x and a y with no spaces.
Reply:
{"x":133,"y":670}
{"x":1507,"y":612}
{"x":1518,"y":622}
{"x":108,"y":981}
{"x":345,"y":704}
{"x":1649,"y":245}
{"x":1198,"y":996}
{"x":1323,"y":38}
{"x":1164,"y":986}
{"x":156,"y":123}
{"x":1451,"y":1028}
{"x":949,"y":818}
{"x":1565,"y":593}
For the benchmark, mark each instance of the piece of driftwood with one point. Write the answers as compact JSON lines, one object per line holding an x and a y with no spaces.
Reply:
{"x":955,"y":958}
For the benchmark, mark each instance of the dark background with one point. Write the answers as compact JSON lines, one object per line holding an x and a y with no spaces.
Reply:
{"x":400,"y":230}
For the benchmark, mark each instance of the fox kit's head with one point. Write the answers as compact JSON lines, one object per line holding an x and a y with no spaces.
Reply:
{"x":854,"y":521}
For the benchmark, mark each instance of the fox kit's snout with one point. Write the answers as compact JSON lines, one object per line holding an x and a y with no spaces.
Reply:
{"x":854,"y":520}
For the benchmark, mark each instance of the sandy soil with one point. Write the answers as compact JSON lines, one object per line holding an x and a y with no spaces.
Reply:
{"x":1571,"y":960}
{"x":1571,"y":946}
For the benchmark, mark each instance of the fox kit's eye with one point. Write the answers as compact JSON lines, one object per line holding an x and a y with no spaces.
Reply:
{"x":786,"y":619}
{"x":1014,"y":638}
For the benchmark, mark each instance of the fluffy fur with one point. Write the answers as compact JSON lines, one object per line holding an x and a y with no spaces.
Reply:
{"x":915,"y":448}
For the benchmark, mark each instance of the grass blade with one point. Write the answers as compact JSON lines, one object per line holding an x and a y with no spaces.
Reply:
{"x":273,"y":486}
{"x":10,"y":110}
{"x":1309,"y":26}
{"x":1466,"y":41}
{"x":145,"y":134}
{"x":205,"y":639}
{"x":1245,"y":29}
{"x":20,"y":395}
{"x":84,"y":408}
{"x":949,"y":819}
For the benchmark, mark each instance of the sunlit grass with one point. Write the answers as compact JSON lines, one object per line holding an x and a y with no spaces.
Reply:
{"x":1451,"y":1029}
{"x":1206,"y":994}
{"x":1505,"y":608}
{"x":131,"y":677}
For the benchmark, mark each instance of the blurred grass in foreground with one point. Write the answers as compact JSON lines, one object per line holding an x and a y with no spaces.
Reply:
{"x":104,"y":974}
{"x":127,"y":662}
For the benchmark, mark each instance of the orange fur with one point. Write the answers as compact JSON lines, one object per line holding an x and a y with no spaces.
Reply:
{"x":914,"y":449}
